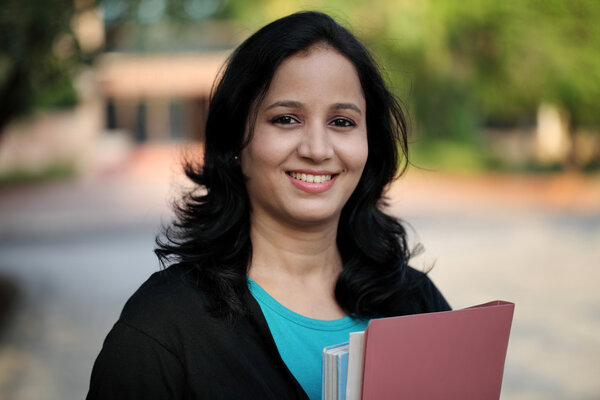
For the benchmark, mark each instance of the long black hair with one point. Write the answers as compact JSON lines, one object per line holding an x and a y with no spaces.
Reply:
{"x":211,"y":234}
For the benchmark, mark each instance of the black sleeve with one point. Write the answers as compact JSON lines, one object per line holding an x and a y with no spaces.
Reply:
{"x":133,"y":365}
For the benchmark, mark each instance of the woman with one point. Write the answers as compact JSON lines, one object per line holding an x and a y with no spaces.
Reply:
{"x":284,"y":249}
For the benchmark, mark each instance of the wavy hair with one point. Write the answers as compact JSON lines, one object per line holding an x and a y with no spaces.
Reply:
{"x":211,"y":234}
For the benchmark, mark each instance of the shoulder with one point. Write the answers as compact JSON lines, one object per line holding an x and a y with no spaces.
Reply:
{"x":143,"y":356}
{"x":164,"y":291}
{"x":166,"y":305}
{"x":420,"y":295}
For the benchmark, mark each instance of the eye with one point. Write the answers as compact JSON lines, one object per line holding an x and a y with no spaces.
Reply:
{"x":285,"y":120}
{"x":342,"y":123}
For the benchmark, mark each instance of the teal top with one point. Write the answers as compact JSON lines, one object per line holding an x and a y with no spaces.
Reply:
{"x":300,"y":340}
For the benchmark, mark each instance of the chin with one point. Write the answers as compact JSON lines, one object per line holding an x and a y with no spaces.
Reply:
{"x":315,"y":218}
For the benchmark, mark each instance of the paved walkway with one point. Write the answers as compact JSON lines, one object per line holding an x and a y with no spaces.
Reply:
{"x":77,"y":249}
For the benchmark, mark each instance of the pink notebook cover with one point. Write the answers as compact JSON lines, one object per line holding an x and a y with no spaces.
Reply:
{"x":446,"y":355}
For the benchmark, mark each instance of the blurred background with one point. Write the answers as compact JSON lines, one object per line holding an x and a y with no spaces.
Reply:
{"x":100,"y":99}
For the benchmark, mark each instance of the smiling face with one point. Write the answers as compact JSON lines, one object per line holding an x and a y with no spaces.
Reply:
{"x":309,"y":144}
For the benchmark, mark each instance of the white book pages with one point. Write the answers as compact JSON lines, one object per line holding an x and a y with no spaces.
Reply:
{"x":355,"y":363}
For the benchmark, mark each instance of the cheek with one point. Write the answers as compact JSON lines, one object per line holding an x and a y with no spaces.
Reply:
{"x":356,"y":153}
{"x":261,"y":154}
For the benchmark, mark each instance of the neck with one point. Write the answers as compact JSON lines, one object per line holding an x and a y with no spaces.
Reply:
{"x":281,"y":252}
{"x":298,"y":267}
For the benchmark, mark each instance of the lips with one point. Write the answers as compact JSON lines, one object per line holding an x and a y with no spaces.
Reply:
{"x":312,"y":181}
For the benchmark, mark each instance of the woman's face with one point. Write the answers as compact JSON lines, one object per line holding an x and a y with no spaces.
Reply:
{"x":309,"y":144}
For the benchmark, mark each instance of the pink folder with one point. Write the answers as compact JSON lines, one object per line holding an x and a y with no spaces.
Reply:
{"x":445,"y":355}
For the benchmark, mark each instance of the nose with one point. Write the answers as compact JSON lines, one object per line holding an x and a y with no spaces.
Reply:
{"x":315,"y":143}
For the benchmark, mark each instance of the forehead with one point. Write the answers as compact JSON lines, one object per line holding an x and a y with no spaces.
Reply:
{"x":316,"y":73}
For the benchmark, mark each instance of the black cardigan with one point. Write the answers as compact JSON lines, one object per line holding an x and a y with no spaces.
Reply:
{"x":166,"y":345}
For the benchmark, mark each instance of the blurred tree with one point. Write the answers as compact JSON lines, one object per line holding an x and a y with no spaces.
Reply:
{"x":36,"y":53}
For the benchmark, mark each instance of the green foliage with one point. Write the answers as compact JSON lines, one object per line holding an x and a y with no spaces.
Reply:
{"x":56,"y":93}
{"x":38,"y":55}
{"x":53,"y":172}
{"x":449,"y":156}
{"x":443,"y":109}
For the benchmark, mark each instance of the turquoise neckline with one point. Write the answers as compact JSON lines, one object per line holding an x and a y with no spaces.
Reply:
{"x":265,"y":299}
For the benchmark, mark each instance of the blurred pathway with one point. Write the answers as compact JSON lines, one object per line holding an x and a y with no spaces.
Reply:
{"x":77,"y":249}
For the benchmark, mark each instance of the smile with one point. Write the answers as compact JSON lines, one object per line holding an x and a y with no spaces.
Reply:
{"x":309,"y":177}
{"x":312,"y":183}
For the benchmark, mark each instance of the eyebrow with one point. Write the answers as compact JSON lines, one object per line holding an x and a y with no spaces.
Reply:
{"x":285,"y":103}
{"x":297,"y":104}
{"x":346,"y":106}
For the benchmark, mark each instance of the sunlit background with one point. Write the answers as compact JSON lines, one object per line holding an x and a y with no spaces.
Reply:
{"x":99,"y":100}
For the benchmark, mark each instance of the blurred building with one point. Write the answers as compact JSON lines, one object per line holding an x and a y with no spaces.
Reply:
{"x":158,"y":96}
{"x":158,"y":70}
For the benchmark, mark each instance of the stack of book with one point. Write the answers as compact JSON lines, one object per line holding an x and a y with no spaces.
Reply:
{"x":335,"y":371}
{"x":445,"y":355}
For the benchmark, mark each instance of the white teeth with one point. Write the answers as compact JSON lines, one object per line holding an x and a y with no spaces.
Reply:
{"x":310,"y":178}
